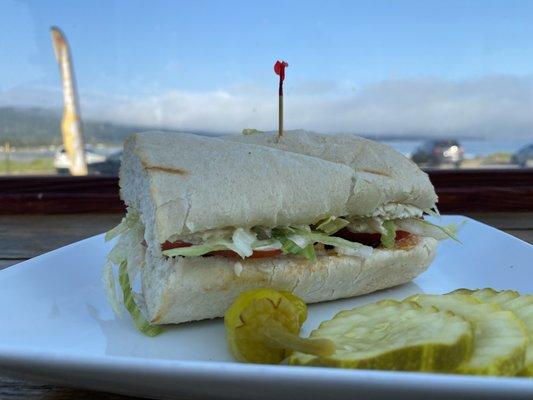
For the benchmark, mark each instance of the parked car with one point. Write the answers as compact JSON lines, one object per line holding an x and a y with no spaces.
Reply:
{"x":437,"y":152}
{"x":524,"y":156}
{"x":110,"y":166}
{"x":97,"y":162}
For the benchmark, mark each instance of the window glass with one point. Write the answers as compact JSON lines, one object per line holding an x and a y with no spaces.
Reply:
{"x":447,"y":83}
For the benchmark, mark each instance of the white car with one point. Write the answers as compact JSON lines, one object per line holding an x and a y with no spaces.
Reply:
{"x":62,"y":163}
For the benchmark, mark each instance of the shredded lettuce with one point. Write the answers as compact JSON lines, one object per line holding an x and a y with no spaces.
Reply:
{"x":331,"y":225}
{"x":300,"y":241}
{"x":130,"y":220}
{"x":388,"y":239}
{"x":425,"y":228}
{"x":367,"y":225}
{"x":129,"y":302}
{"x":333,"y":241}
{"x":296,"y":240}
{"x":108,"y":280}
{"x":434,"y":211}
{"x":130,"y":231}
{"x":353,"y":248}
{"x":288,"y":246}
{"x":198,"y":250}
{"x":118,"y":253}
{"x":243,"y":242}
{"x":267,"y":244}
{"x":309,"y":252}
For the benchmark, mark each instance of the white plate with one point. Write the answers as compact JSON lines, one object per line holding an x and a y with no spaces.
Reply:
{"x":55,"y":325}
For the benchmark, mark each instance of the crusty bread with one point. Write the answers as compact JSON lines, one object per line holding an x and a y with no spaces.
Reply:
{"x":188,"y":289}
{"x":184,"y":183}
{"x":382,"y":175}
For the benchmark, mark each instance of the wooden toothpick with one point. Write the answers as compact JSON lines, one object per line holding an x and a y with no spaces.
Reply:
{"x":279,"y":69}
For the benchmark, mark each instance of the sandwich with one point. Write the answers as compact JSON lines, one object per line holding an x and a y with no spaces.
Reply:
{"x":321,"y":216}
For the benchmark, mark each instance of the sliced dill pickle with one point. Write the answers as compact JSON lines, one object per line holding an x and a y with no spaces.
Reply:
{"x":391,"y":335}
{"x":489,"y":295}
{"x":262,"y":326}
{"x":499,"y":336}
{"x":521,"y":306}
{"x":298,"y":303}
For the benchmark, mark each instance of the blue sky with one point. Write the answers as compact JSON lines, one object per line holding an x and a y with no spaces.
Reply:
{"x":135,"y":49}
{"x":128,"y":46}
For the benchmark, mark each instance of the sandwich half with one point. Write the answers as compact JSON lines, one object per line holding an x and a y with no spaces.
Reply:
{"x":324,"y":217}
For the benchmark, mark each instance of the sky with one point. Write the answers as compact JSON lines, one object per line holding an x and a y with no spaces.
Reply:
{"x":395,"y":67}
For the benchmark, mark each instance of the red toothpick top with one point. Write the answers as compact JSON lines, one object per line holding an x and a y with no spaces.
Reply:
{"x":279,"y":69}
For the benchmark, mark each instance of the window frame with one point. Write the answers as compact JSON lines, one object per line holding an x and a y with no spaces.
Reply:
{"x":467,"y":190}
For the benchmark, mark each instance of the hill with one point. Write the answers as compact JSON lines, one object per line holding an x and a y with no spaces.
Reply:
{"x":38,"y":126}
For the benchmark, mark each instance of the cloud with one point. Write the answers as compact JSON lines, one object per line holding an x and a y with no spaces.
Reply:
{"x":496,"y":106}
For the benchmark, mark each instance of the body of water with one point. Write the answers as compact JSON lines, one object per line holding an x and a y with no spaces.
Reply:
{"x":472,"y":147}
{"x":28,"y":154}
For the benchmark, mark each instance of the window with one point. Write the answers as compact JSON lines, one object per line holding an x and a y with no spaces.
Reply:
{"x":449,"y":83}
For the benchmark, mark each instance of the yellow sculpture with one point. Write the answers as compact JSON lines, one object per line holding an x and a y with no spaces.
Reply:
{"x":71,"y":123}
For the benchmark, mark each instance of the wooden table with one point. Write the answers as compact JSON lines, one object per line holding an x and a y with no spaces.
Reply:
{"x":26,"y":236}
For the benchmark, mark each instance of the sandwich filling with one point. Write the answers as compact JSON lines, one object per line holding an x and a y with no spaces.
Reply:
{"x":331,"y":235}
{"x":352,"y":236}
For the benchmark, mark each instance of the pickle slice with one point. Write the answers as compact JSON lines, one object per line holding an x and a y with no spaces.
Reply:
{"x":394,"y":336}
{"x":521,"y":306}
{"x":298,"y":303}
{"x":499,"y":336}
{"x":489,"y":295}
{"x":262,"y":326}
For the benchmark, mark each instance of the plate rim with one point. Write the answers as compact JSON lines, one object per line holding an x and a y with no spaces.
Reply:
{"x":282,"y":373}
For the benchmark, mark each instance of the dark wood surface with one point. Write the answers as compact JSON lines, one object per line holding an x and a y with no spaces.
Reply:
{"x":475,"y":190}
{"x":26,"y":236}
{"x":59,"y":194}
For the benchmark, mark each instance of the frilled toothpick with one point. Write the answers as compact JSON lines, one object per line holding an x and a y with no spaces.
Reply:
{"x":279,"y":69}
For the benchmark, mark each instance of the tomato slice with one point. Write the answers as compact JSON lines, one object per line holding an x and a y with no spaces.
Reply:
{"x":401,"y":235}
{"x":224,"y":253}
{"x":266,"y":253}
{"x":368,"y":239}
{"x":255,"y":254}
{"x":174,"y":245}
{"x":406,"y":240}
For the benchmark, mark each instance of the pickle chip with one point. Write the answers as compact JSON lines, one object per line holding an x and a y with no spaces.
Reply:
{"x":298,"y":303}
{"x":489,"y":295}
{"x":499,"y":336}
{"x":262,"y":326}
{"x":392,"y":335}
{"x":521,"y":306}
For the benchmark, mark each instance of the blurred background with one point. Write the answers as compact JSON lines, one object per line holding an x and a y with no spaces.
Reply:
{"x":449,"y":84}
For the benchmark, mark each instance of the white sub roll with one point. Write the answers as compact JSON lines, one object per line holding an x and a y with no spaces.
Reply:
{"x":382,"y":176}
{"x":189,"y":289}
